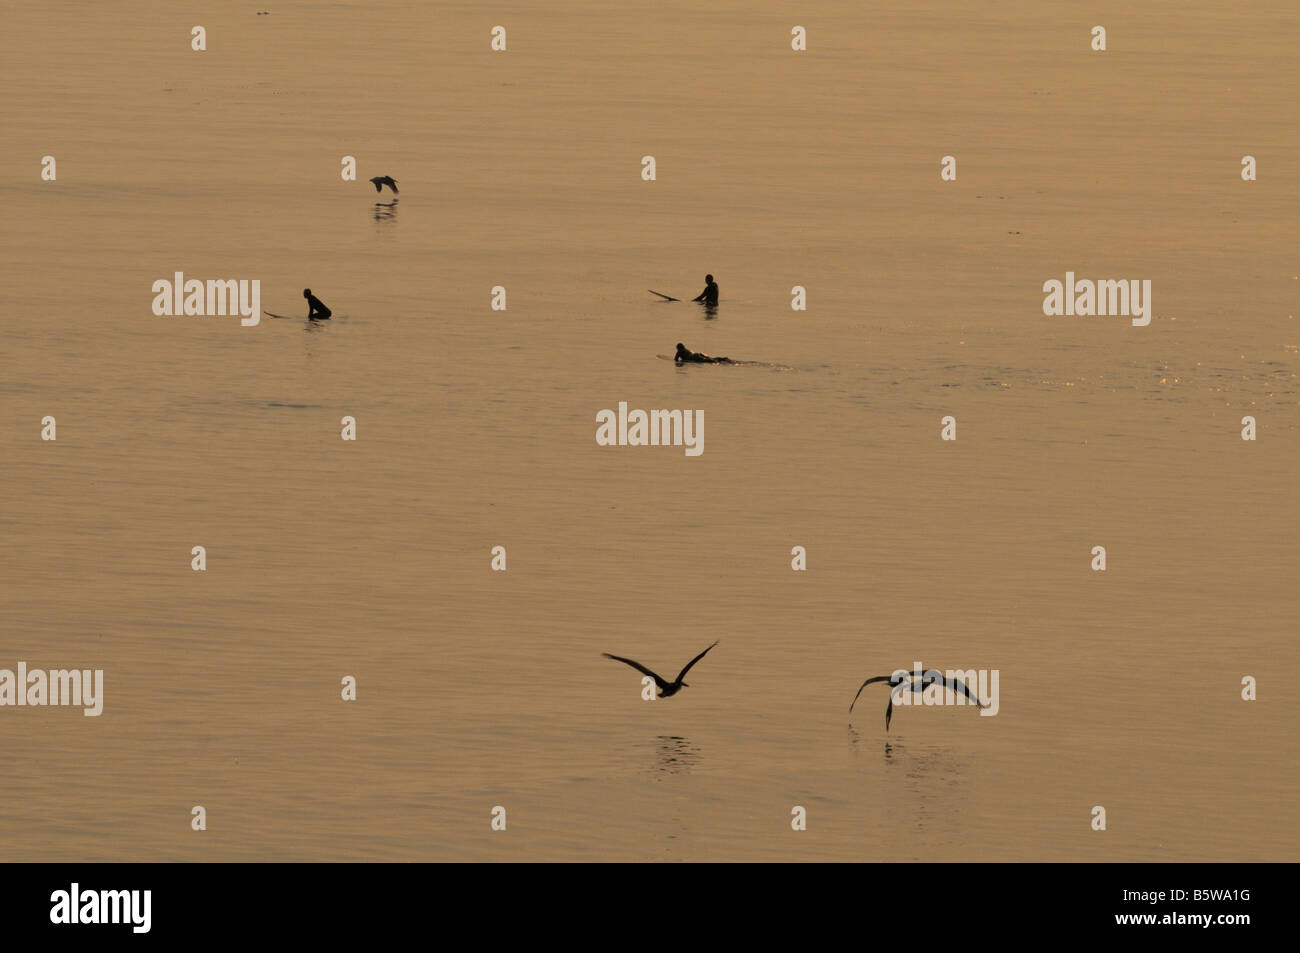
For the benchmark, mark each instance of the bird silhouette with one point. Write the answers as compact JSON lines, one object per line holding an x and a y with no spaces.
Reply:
{"x":666,"y":688}
{"x":381,"y":180}
{"x":916,"y":685}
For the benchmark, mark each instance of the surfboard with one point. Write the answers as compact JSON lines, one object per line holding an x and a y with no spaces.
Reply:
{"x":662,"y":295}
{"x":270,"y":315}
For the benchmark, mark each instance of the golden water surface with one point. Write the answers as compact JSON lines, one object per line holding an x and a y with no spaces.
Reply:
{"x":475,"y":429}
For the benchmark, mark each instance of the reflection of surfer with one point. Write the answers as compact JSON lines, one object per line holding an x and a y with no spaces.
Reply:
{"x":315,"y":307}
{"x":685,"y":355}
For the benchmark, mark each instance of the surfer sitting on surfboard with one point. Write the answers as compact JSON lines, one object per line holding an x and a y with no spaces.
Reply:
{"x":686,"y":355}
{"x":710,"y":293}
{"x":315,"y":307}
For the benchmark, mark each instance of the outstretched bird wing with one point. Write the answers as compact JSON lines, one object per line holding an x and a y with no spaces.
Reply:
{"x":957,"y":685}
{"x":392,"y":184}
{"x":639,"y":667}
{"x":683,"y":672}
{"x":875,"y":678}
{"x":379,"y":186}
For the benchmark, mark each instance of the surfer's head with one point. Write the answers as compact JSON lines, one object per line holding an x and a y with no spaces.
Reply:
{"x":306,"y":292}
{"x":708,"y":279}
{"x":681,"y":348}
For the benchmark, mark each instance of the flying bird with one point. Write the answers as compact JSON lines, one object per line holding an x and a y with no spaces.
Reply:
{"x":916,"y":685}
{"x":382,"y":180}
{"x":666,"y":688}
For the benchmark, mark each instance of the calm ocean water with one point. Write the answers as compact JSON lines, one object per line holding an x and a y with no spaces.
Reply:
{"x":476,"y":429}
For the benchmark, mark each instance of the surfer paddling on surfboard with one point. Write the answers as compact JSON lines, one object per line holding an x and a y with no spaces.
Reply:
{"x":316,"y":309}
{"x":686,"y":356}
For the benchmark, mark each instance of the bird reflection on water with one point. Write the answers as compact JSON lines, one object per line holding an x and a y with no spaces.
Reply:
{"x":933,"y":790}
{"x":386,"y":211}
{"x":676,"y":754}
{"x":855,"y":737}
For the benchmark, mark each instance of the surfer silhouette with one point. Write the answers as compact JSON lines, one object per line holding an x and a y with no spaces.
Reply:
{"x":315,"y":307}
{"x":710,"y":293}
{"x":686,"y":356}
